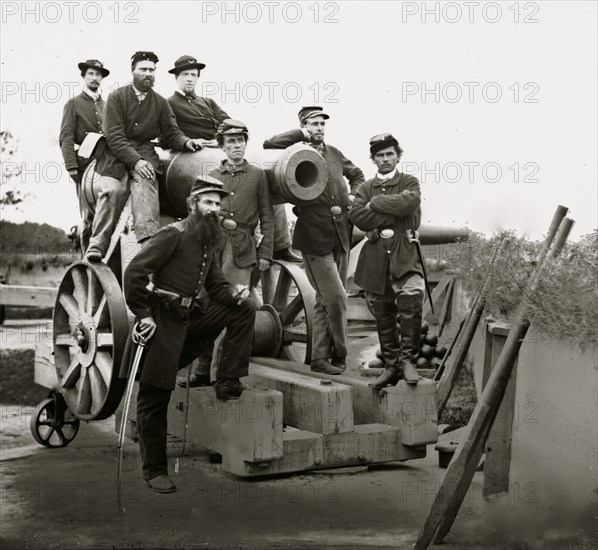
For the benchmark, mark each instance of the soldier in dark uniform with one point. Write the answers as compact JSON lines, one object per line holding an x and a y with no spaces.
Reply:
{"x":322,"y":235}
{"x":82,"y":114}
{"x":135,"y":115}
{"x":389,"y":269}
{"x":199,"y":117}
{"x":189,"y":305}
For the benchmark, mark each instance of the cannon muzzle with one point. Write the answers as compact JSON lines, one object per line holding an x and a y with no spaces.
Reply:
{"x":428,"y":234}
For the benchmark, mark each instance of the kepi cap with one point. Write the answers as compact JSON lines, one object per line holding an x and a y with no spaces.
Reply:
{"x":184,"y":63}
{"x":93,"y":64}
{"x":310,"y":112}
{"x":382,"y":141}
{"x":143,"y":56}
{"x":207,"y":184}
{"x":231,"y":126}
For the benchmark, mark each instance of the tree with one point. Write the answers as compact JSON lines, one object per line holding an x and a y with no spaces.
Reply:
{"x":9,"y":195}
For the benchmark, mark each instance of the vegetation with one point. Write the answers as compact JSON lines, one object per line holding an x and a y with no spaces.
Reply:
{"x":564,"y":306}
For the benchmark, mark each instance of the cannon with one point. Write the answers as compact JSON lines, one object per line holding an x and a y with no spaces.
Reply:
{"x":92,"y":322}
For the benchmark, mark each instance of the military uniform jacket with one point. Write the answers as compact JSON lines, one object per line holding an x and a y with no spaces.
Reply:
{"x":81,"y":115}
{"x":197,"y":117}
{"x":130,"y":125}
{"x":179,"y":263}
{"x":393,"y":204}
{"x":248,"y":202}
{"x":317,"y":228}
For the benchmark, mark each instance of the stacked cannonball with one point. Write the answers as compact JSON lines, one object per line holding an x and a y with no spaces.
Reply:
{"x":430,"y":352}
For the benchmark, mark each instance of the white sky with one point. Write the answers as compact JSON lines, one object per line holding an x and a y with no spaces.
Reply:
{"x":490,"y":164}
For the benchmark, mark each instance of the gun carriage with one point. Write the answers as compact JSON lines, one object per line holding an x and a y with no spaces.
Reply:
{"x":85,"y":369}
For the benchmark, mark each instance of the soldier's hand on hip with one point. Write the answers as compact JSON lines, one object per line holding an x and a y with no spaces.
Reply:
{"x":240,"y":293}
{"x":263,"y":265}
{"x":144,"y":169}
{"x":74,"y":175}
{"x":193,"y":145}
{"x":147,"y":327}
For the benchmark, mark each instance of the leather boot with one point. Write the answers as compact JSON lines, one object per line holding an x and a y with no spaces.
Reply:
{"x":386,"y":323}
{"x":410,"y":319}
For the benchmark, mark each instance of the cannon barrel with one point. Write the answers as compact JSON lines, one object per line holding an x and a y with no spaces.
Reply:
{"x":428,"y":234}
{"x":296,"y":175}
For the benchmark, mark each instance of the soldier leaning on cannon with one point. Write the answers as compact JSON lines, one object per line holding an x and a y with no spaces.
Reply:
{"x":189,"y":306}
{"x":248,"y":202}
{"x":81,"y":115}
{"x":199,"y":117}
{"x":389,"y":270}
{"x":134,"y":115}
{"x":322,"y":235}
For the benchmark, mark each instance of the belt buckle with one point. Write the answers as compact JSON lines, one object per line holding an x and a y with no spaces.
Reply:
{"x":229,"y":224}
{"x":387,"y":233}
{"x":186,"y":302}
{"x":336,"y":210}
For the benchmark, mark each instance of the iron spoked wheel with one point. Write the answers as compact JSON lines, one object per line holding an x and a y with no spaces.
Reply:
{"x":294,"y":300}
{"x":90,"y":333}
{"x":53,"y":424}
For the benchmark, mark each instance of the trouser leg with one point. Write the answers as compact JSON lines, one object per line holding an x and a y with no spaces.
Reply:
{"x":239,"y":321}
{"x":145,"y":206}
{"x":112,"y":199}
{"x":409,"y":301}
{"x":86,"y":225}
{"x":282,"y":235}
{"x":152,"y":410}
{"x":327,"y":274}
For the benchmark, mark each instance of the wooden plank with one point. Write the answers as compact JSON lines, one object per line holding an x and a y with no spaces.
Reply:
{"x":413,"y":409}
{"x":27,"y":296}
{"x":245,"y":429}
{"x":357,"y":309}
{"x":303,"y":451}
{"x":412,"y":406}
{"x":498,"y":447}
{"x":438,"y":291}
{"x":307,"y":403}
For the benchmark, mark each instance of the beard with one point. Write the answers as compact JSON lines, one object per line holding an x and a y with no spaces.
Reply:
{"x":207,"y":230}
{"x":143,"y":83}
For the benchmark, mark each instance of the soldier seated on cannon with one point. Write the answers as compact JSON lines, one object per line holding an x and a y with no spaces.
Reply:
{"x":388,"y":269}
{"x":189,"y":306}
{"x":82,"y":114}
{"x":134,"y":115}
{"x":199,"y":118}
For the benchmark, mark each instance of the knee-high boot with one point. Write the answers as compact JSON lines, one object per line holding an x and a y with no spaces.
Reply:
{"x":410,"y":319}
{"x":386,"y":322}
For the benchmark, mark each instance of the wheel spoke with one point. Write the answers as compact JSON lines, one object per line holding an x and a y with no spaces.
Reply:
{"x":84,"y":396}
{"x":290,"y":312}
{"x":70,"y":306}
{"x":101,"y":316}
{"x":98,"y":387}
{"x":283,"y":286}
{"x":72,"y":374}
{"x":60,"y":435}
{"x":293,"y":335}
{"x":104,"y":339}
{"x":103,"y":361}
{"x":47,"y":438}
{"x":80,"y":290}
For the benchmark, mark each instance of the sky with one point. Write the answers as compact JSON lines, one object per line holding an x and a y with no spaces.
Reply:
{"x":494,"y":103}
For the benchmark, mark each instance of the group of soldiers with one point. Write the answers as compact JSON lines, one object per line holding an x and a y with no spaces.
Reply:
{"x":189,"y":285}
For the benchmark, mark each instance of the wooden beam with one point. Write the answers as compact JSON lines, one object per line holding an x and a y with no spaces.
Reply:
{"x":27,"y":296}
{"x":307,"y":403}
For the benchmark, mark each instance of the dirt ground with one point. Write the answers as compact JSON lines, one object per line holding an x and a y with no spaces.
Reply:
{"x":66,"y":498}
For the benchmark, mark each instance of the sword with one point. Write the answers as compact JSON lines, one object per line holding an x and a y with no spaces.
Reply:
{"x":412,"y":238}
{"x":140,"y":342}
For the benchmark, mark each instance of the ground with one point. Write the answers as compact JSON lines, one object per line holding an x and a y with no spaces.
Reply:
{"x":66,"y":498}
